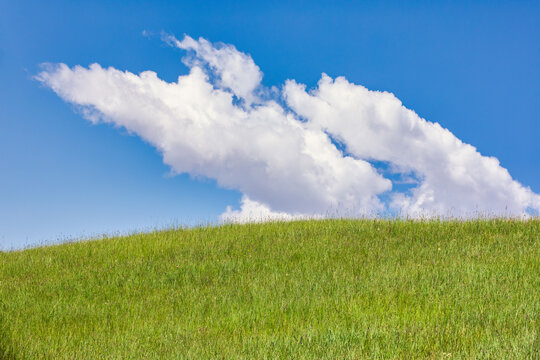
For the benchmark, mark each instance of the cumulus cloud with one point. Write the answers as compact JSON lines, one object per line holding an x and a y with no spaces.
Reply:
{"x":236,"y":71}
{"x":252,"y":211}
{"x":455,"y":177}
{"x":218,"y":121}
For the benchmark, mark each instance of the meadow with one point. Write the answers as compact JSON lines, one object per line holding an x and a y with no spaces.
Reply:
{"x":321,"y":289}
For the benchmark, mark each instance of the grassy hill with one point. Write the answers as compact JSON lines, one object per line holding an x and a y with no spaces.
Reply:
{"x":309,"y":289}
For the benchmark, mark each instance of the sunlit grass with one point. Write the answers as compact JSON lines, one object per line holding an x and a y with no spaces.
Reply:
{"x":308,"y":289}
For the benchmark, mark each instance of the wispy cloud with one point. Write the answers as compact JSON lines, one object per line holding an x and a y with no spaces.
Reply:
{"x":218,"y":121}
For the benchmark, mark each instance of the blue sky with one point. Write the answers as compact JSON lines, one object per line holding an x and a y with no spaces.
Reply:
{"x":473,"y":68}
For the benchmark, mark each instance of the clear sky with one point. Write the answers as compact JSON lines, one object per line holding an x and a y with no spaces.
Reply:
{"x":473,"y":67}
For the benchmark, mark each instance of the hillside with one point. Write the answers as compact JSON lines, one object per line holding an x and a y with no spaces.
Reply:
{"x":308,"y":289}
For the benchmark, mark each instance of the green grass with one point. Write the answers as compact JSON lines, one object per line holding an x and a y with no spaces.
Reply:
{"x":336,"y":289}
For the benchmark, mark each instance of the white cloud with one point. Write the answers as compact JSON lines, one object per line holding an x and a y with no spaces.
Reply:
{"x":252,"y":211}
{"x":456,"y":179}
{"x":216,"y":122}
{"x":235,"y":70}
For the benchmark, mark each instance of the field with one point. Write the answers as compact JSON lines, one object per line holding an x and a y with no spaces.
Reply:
{"x":333,"y":289}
